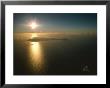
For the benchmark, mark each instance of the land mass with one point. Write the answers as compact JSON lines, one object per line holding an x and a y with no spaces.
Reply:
{"x":36,"y":39}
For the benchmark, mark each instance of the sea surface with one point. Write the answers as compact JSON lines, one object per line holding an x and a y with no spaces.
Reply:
{"x":75,"y":56}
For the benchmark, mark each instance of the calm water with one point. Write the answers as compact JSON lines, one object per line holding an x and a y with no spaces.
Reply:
{"x":75,"y":56}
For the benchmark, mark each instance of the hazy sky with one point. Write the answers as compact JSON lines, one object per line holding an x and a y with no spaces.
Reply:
{"x":56,"y":22}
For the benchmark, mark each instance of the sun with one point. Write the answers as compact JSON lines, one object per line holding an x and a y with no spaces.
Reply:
{"x":33,"y":25}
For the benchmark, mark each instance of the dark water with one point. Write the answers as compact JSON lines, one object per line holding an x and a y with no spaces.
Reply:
{"x":75,"y":56}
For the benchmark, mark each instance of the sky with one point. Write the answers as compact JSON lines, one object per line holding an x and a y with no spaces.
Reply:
{"x":56,"y":22}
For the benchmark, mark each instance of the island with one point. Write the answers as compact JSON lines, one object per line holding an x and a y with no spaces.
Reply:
{"x":37,"y":39}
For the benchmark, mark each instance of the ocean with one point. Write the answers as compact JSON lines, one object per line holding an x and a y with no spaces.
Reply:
{"x":77,"y":55}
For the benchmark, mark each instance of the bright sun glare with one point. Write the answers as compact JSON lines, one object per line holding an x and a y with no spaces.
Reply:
{"x":33,"y":25}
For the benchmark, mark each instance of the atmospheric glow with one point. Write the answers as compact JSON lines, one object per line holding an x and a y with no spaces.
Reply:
{"x":34,"y":35}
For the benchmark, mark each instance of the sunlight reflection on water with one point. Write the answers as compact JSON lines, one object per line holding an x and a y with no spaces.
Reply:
{"x":36,"y":56}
